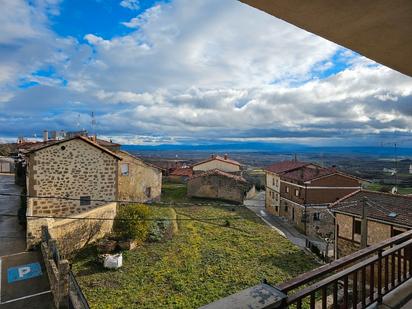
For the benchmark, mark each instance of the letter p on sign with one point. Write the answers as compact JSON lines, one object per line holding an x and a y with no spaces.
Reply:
{"x":23,"y":272}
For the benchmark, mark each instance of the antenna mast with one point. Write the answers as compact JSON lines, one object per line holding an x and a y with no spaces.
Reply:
{"x":93,"y":125}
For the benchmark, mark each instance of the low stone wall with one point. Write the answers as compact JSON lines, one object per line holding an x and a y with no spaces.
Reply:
{"x":76,"y":232}
{"x":58,"y":274}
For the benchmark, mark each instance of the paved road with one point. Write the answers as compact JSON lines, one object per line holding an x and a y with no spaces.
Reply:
{"x":23,"y":278}
{"x":257,"y":205}
{"x":12,"y":235}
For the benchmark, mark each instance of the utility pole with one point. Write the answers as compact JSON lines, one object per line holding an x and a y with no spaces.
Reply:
{"x":364,"y":225}
{"x":396,"y":169}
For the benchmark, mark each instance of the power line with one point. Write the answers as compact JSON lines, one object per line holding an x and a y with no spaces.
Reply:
{"x":130,"y":219}
{"x":125,"y":201}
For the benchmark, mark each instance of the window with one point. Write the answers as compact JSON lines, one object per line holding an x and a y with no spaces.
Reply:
{"x":276,"y":208}
{"x":297,"y":192}
{"x":148,"y":192}
{"x":286,"y":208}
{"x":125,"y":169}
{"x":277,"y":197}
{"x":84,"y":200}
{"x":273,"y":181}
{"x":273,"y":195}
{"x":287,"y":189}
{"x":357,"y":227}
{"x":316,"y":216}
{"x":277,"y":182}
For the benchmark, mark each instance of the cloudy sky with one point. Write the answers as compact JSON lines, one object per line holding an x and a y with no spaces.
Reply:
{"x":188,"y":71}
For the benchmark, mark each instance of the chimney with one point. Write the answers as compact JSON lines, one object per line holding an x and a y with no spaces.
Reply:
{"x":45,"y":135}
{"x":212,"y":156}
{"x":225,"y":156}
{"x":53,"y":135}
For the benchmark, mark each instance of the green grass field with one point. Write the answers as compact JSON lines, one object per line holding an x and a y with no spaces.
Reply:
{"x":206,"y":260}
{"x":378,"y":187}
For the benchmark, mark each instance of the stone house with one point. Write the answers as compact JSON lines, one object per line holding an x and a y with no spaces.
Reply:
{"x":216,"y":184}
{"x":137,"y":180}
{"x":79,"y":173}
{"x":385,"y":215}
{"x":301,"y":192}
{"x":180,"y":175}
{"x":223,"y":164}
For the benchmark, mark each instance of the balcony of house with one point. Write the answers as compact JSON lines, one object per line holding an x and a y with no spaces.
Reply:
{"x":376,"y":276}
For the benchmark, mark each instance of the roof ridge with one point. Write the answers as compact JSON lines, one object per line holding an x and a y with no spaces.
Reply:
{"x":85,"y":139}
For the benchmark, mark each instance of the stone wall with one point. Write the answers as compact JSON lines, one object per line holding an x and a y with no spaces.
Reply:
{"x":319,"y":221}
{"x":143,"y":182}
{"x":217,"y":187}
{"x":349,"y":243}
{"x":70,"y":169}
{"x":72,"y":234}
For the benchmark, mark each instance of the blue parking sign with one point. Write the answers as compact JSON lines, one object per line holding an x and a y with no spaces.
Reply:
{"x":23,"y":272}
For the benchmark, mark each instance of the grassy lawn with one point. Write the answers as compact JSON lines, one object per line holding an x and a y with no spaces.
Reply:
{"x":377,"y":187}
{"x":205,"y":260}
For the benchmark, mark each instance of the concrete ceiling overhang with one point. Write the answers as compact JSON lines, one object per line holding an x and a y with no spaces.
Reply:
{"x":378,"y":29}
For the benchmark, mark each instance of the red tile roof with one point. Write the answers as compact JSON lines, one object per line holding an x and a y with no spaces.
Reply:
{"x":285,"y":166}
{"x":306,"y":173}
{"x":220,"y":173}
{"x":105,"y":143}
{"x":184,"y":171}
{"x":219,"y":158}
{"x":391,"y":208}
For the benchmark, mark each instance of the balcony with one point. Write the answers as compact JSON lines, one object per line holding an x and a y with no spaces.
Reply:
{"x":372,"y":277}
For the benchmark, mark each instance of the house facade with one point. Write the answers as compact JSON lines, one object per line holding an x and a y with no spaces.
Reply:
{"x":216,"y":184}
{"x":137,"y":180}
{"x":383,"y":215}
{"x":223,"y":164}
{"x":301,"y":192}
{"x":67,"y":178}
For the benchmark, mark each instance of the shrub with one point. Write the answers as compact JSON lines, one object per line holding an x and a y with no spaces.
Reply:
{"x":163,"y":229}
{"x":134,"y":226}
{"x":158,"y":230}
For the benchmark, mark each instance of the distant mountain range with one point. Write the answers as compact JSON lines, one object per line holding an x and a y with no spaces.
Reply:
{"x":273,"y":148}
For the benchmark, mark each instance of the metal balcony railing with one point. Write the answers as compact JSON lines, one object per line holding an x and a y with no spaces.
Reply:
{"x":354,"y":281}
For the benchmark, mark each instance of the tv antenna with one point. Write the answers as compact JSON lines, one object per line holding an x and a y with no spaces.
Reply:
{"x":93,"y":124}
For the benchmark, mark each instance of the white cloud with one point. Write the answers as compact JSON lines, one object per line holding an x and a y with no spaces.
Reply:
{"x":208,"y":70}
{"x":130,"y":4}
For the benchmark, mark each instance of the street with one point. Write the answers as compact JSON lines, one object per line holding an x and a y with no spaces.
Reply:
{"x":24,"y":282}
{"x":257,"y":205}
